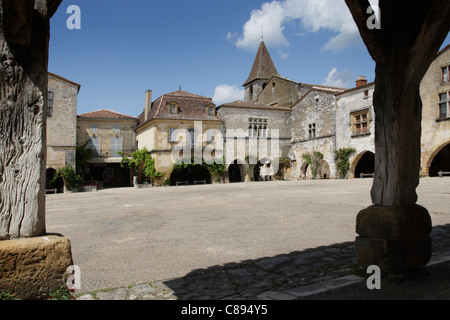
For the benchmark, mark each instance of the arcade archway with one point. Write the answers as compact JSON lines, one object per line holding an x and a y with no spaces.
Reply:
{"x":441,"y":161}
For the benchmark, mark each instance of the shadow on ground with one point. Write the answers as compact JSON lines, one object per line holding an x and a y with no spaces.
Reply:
{"x":249,"y":279}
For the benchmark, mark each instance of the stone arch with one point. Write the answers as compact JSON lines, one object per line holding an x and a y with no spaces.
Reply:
{"x":364,"y":162}
{"x":191,"y":174}
{"x":262,"y":171}
{"x":324,"y":171}
{"x":236,"y":171}
{"x":439,"y":160}
{"x":305,"y":170}
{"x":58,"y":185}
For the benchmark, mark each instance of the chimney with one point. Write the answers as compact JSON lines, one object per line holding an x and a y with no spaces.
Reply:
{"x":361,"y":81}
{"x":148,"y":104}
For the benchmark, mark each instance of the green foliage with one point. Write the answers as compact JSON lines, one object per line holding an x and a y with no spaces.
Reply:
{"x":70,"y":177}
{"x":84,"y":154}
{"x":141,"y":157}
{"x":7,"y":296}
{"x":63,"y":293}
{"x":342,"y":162}
{"x":313,"y":160}
{"x":218,"y":168}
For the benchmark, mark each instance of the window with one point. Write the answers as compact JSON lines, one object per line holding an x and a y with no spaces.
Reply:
{"x":211,"y":111}
{"x":258,"y":127}
{"x":172,"y":135}
{"x":173,"y":108}
{"x":116,"y":128}
{"x":191,"y":137}
{"x":50,"y":104}
{"x":94,"y":145}
{"x":366,"y":94}
{"x":210,"y":136}
{"x":116,"y":147}
{"x":445,"y":74}
{"x":251,"y":93}
{"x":312,"y":130}
{"x":94,"y":128}
{"x":360,"y":123}
{"x":444,"y":103}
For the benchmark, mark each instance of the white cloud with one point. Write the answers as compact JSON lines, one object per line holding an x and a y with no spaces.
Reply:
{"x":267,"y":21}
{"x":225,"y":93}
{"x":314,"y":15}
{"x":342,"y":79}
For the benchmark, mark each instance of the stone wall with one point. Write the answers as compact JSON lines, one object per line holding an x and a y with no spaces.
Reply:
{"x":313,"y":129}
{"x":282,"y":92}
{"x":61,"y":124}
{"x":238,"y":119}
{"x":348,"y":103}
{"x":435,"y":131}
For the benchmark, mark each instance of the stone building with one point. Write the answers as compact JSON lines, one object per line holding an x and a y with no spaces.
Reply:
{"x":180,"y":126}
{"x":355,"y":121}
{"x":107,"y":133}
{"x":355,"y":127}
{"x":61,"y":126}
{"x":435,"y":93}
{"x":314,"y":130}
{"x":285,"y":106}
{"x":249,"y":130}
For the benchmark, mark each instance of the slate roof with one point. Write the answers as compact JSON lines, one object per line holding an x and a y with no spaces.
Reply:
{"x":191,"y":107}
{"x":263,"y":67}
{"x":105,"y":114}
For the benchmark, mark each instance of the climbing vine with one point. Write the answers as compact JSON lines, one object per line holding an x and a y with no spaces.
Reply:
{"x":141,"y":158}
{"x":342,"y":161}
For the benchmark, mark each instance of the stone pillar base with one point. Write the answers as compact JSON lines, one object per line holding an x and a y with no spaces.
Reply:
{"x":396,"y":239}
{"x":32,"y":268}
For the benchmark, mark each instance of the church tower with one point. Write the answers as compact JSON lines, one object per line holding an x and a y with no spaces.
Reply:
{"x":263,"y":69}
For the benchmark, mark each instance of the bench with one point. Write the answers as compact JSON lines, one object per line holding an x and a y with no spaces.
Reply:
{"x":366,"y":175}
{"x":200,"y":182}
{"x":182,"y":183}
{"x":55,"y":191}
{"x":442,"y":173}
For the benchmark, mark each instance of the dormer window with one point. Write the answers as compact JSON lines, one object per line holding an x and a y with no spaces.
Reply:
{"x":173,"y":108}
{"x":211,"y":110}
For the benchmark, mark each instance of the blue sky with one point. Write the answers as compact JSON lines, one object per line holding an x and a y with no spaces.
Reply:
{"x":207,"y":47}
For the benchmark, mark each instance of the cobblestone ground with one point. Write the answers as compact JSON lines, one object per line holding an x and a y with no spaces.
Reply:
{"x":254,"y":279}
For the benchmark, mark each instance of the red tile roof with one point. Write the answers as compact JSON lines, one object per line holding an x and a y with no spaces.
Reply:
{"x":191,"y":107}
{"x":105,"y":114}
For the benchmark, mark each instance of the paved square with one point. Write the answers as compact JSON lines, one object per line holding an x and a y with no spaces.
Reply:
{"x":122,"y":237}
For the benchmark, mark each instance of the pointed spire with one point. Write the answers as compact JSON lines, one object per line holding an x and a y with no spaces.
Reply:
{"x":263,"y":67}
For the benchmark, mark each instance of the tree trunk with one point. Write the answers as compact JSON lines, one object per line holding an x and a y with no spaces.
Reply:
{"x":24,"y":37}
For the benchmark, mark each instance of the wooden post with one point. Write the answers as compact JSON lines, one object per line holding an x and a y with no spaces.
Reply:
{"x":394,"y":233}
{"x":24,"y":38}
